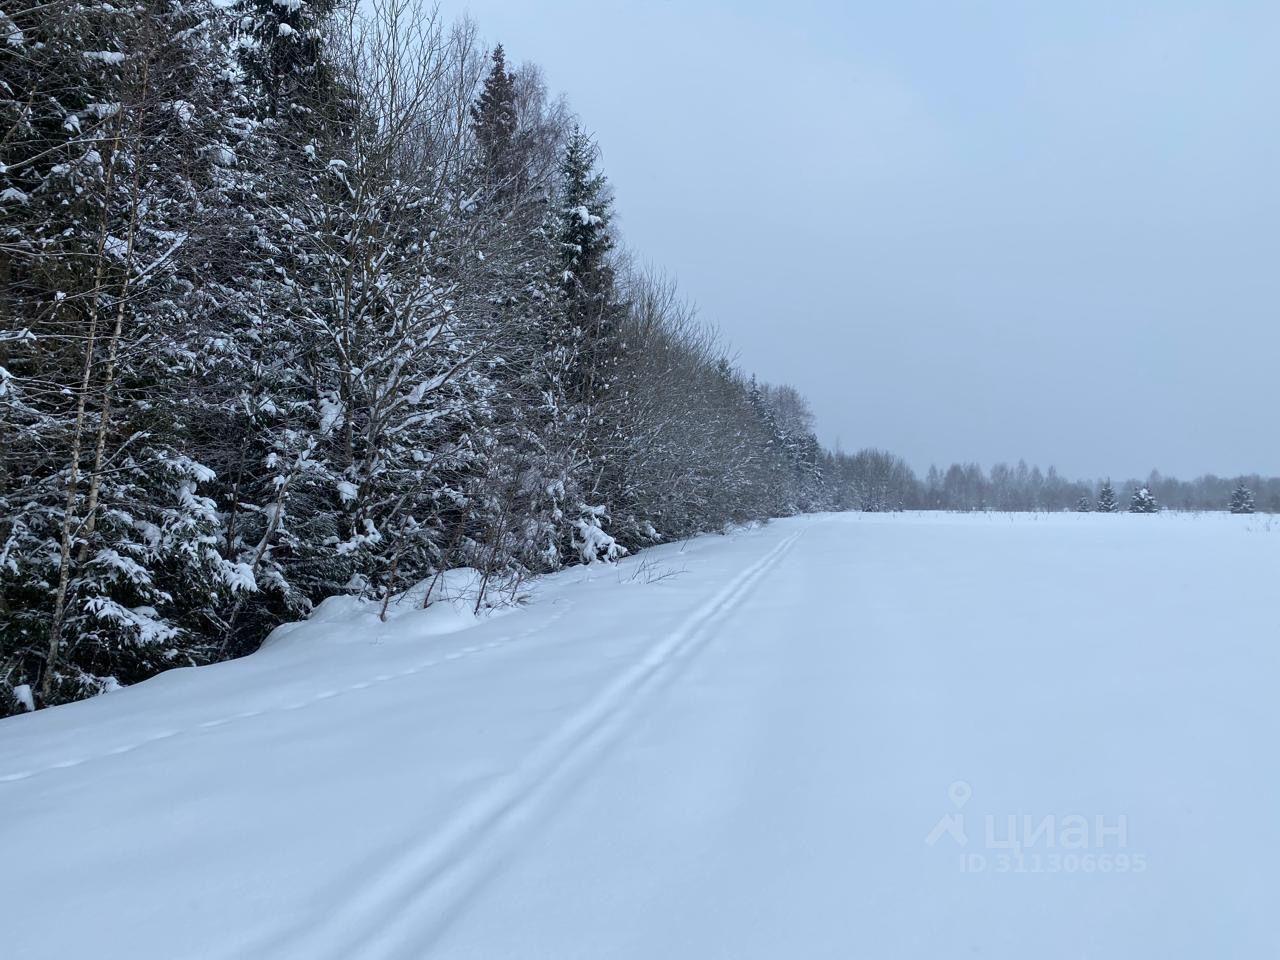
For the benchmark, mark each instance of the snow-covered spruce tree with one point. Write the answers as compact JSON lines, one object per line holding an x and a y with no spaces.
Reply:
{"x":1143,"y":502}
{"x":358,"y":391}
{"x":775,"y":493}
{"x":794,"y":421}
{"x":110,"y":566}
{"x":266,"y":424}
{"x":1084,"y":505}
{"x":390,"y":346}
{"x":302,"y":298}
{"x":586,"y":345}
{"x":523,"y":498}
{"x":1241,"y":499}
{"x":281,"y":49}
{"x":502,"y":162}
{"x":1107,"y":502}
{"x":762,"y":475}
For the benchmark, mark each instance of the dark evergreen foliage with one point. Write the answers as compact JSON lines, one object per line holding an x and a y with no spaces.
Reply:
{"x":1107,"y":502}
{"x":287,"y":311}
{"x":1143,"y":502}
{"x":300,"y":298}
{"x":1241,"y":499}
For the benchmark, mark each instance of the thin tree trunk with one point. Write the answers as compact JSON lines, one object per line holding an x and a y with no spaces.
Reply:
{"x":57,"y":620}
{"x":108,"y":379}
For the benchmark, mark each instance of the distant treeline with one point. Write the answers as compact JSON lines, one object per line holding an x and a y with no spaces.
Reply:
{"x":876,"y":480}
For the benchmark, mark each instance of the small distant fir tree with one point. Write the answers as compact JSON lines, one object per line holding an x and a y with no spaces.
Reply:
{"x":1241,"y":499}
{"x":1143,"y":502}
{"x":1084,"y":506}
{"x":1107,"y":502}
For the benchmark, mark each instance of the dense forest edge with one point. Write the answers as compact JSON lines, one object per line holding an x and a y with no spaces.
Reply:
{"x":308,"y":298}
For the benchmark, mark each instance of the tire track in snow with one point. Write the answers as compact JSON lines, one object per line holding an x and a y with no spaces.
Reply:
{"x":383,"y":915}
{"x":464,"y":653}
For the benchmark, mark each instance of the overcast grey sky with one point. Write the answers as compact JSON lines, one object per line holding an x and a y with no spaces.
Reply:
{"x":965,"y":230}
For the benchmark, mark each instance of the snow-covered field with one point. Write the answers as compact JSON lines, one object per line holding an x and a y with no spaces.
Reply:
{"x":835,"y":736}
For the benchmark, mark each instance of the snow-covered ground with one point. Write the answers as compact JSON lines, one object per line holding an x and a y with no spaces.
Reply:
{"x":801,"y":741}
